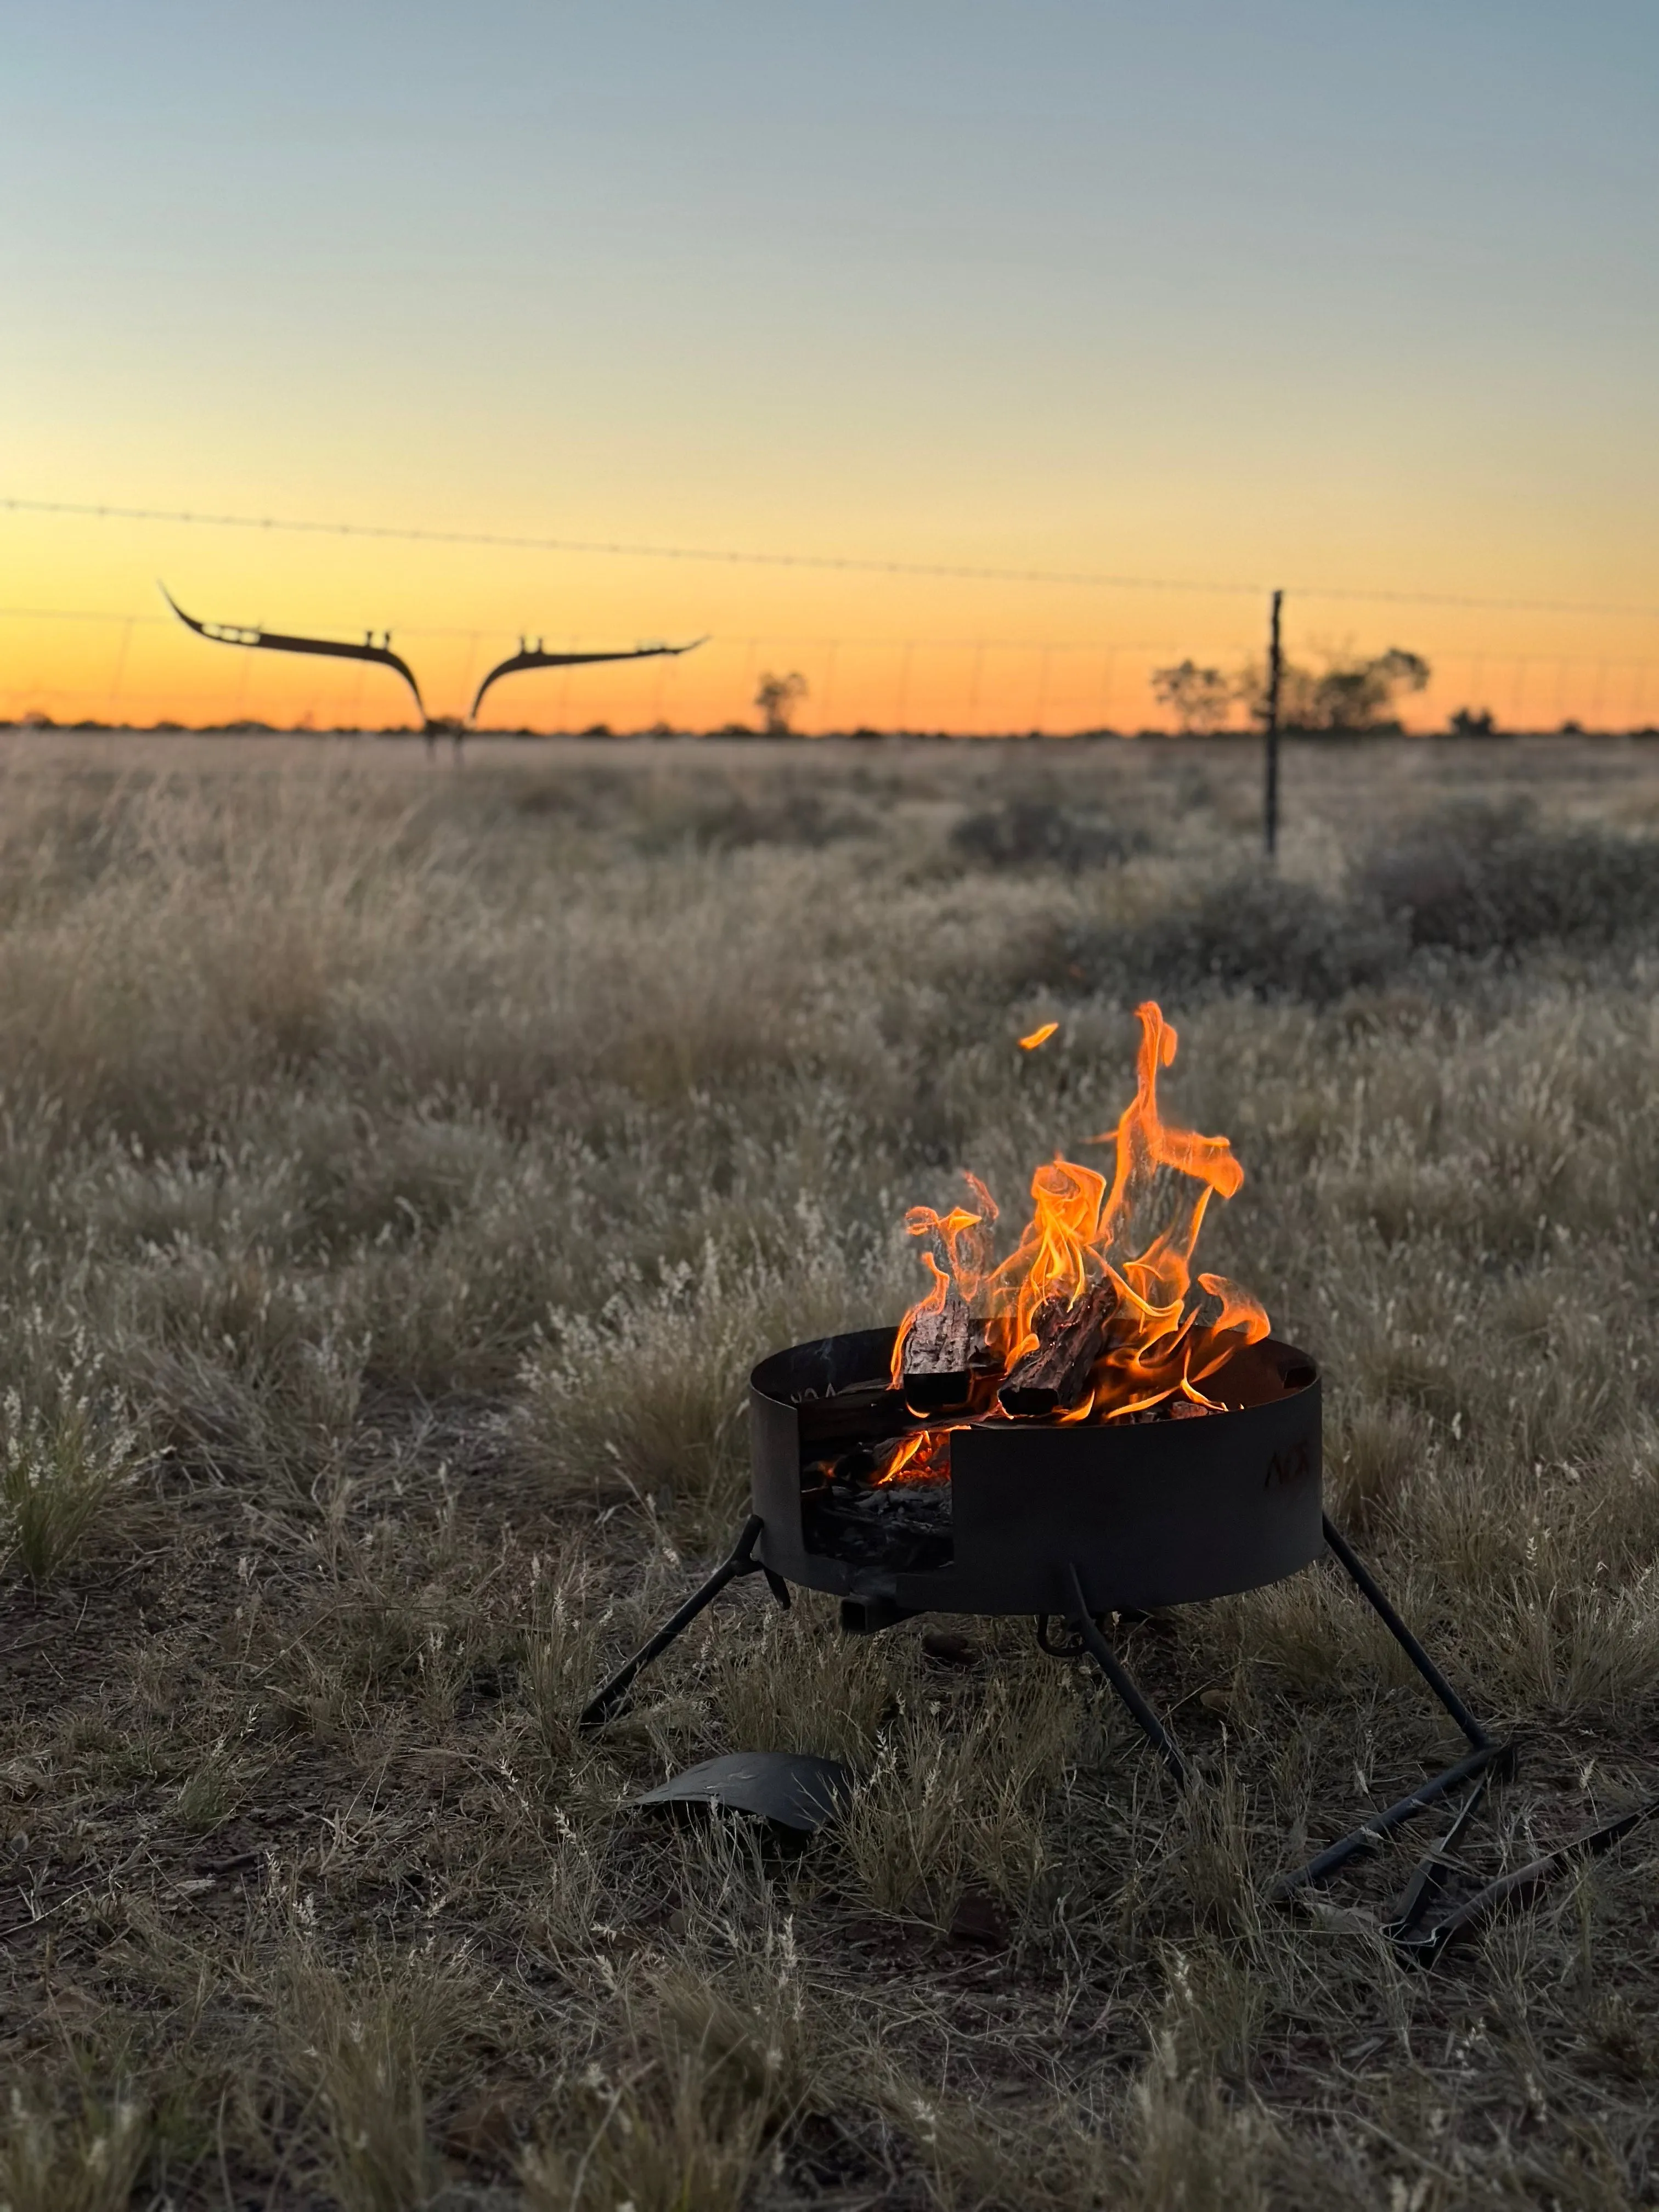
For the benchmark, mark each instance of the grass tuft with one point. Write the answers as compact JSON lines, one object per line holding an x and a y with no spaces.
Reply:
{"x":84,"y":2161}
{"x":68,"y":1457}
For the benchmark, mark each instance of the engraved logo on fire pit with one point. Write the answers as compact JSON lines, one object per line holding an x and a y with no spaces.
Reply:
{"x":1286,"y":1470}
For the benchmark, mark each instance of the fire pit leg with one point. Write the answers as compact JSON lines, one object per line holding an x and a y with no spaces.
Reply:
{"x":1484,"y":1754}
{"x":1125,"y":1684}
{"x":740,"y":1560}
{"x":1363,"y":1580}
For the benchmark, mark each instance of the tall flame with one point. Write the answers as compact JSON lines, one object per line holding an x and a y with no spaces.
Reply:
{"x":1168,"y":1330}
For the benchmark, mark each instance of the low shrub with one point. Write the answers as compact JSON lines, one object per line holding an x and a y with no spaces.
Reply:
{"x":1475,"y":881}
{"x":727,"y":819}
{"x":1027,"y":833}
{"x":1482,"y":879}
{"x":1264,"y":934}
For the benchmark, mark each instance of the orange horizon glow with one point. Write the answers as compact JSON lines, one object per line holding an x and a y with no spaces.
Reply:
{"x":920,"y":654}
{"x":1135,"y":293}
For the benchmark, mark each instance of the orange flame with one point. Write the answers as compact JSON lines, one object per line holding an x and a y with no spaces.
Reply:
{"x":1053,"y":1260}
{"x":1167,"y":1330}
{"x":1038,"y":1037}
{"x":923,"y":1456}
{"x":965,"y":1239}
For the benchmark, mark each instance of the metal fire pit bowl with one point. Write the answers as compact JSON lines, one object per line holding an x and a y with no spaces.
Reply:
{"x":1146,"y":1513}
{"x":1077,"y":1523}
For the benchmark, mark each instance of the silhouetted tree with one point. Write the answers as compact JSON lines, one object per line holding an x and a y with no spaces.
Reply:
{"x":1198,"y":697}
{"x":1347,"y":696}
{"x":1467,"y":722}
{"x":777,"y":699}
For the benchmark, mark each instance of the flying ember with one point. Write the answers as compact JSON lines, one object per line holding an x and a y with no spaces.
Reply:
{"x":1096,"y":1314}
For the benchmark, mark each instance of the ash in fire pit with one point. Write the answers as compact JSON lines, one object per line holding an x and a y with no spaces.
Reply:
{"x":892,"y":1524}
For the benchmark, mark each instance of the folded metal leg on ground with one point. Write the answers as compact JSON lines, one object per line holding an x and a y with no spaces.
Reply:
{"x":1483,"y":1753}
{"x":1422,"y":1940}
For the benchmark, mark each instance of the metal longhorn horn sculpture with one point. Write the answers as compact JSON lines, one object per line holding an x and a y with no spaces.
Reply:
{"x":382,"y":656}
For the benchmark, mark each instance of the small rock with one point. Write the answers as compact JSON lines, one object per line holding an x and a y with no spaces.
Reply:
{"x":950,"y":1649}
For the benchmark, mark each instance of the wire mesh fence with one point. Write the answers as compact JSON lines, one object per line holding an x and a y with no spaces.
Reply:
{"x":839,"y":642}
{"x":71,"y":666}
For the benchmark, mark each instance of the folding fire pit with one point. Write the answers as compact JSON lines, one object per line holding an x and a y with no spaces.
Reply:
{"x":1068,"y":1524}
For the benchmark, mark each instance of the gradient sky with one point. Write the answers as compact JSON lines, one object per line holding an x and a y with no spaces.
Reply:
{"x":1324,"y":294}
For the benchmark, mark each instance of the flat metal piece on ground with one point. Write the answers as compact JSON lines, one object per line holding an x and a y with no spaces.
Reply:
{"x":1423,"y":1944}
{"x":792,"y":1788}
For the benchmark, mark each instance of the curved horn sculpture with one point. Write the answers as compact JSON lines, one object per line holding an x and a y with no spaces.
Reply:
{"x":270,"y":641}
{"x":524,"y":658}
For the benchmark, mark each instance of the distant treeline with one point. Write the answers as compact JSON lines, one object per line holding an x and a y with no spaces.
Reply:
{"x":1462,"y":724}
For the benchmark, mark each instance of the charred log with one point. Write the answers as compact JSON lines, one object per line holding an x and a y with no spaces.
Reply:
{"x":875,"y":1410}
{"x":1053,"y":1377}
{"x":940,"y":1356}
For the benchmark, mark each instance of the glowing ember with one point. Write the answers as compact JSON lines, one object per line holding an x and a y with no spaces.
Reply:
{"x":1038,"y":1037}
{"x":1095,"y":1315}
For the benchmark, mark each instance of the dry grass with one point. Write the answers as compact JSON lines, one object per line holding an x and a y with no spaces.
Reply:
{"x":400,"y":1170}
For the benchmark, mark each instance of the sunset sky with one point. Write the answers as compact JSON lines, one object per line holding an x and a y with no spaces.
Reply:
{"x":1340,"y":297}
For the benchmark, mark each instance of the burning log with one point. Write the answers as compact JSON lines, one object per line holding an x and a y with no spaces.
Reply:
{"x":939,"y":1355}
{"x":1055,"y":1375}
{"x":849,"y":1414}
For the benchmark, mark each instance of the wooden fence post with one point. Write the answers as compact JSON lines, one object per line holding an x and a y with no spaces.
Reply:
{"x":1270,"y":795}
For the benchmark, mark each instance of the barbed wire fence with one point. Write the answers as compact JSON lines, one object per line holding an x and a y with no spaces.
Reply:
{"x":973,"y":685}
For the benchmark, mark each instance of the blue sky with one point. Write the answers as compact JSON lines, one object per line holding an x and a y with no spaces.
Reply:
{"x":1347,"y":294}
